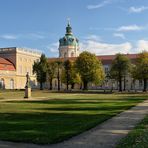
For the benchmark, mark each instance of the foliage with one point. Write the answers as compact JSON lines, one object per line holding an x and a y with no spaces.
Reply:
{"x":120,"y":68}
{"x":69,"y":74}
{"x":89,"y":68}
{"x":140,"y":70}
{"x":40,"y":68}
{"x":51,"y":71}
{"x":59,"y":66}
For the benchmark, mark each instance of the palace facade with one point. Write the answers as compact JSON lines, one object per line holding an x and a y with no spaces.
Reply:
{"x":16,"y":62}
{"x":14,"y":65}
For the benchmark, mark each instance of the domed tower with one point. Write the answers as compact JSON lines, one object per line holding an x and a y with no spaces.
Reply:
{"x":68,"y":45}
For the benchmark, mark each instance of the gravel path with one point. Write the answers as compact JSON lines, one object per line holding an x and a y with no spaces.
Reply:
{"x":105,"y":135}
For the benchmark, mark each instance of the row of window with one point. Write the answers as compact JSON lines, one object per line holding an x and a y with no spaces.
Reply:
{"x":24,"y":70}
{"x":27,"y":60}
{"x":71,"y":55}
{"x":2,"y":84}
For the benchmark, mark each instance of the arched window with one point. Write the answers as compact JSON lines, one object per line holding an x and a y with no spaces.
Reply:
{"x":72,"y":54}
{"x":2,"y":83}
{"x":11,"y":84}
{"x":55,"y":83}
{"x":65,"y":54}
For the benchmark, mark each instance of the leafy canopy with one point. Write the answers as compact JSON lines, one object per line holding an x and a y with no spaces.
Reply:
{"x":120,"y":66}
{"x":89,"y":67}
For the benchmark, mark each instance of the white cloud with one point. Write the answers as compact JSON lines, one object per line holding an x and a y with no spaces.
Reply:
{"x":120,"y":35}
{"x":130,"y":28}
{"x":142,"y":45}
{"x":93,"y":37}
{"x":103,"y":48}
{"x":100,"y":48}
{"x":137,"y":9}
{"x":35,"y":36}
{"x":9,"y":37}
{"x":22,"y":36}
{"x":53,"y":47}
{"x":102,"y":4}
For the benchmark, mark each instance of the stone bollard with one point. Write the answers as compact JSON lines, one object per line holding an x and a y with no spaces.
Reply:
{"x":27,"y":92}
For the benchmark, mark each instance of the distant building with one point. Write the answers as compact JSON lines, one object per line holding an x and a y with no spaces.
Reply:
{"x":68,"y":45}
{"x":14,"y":64}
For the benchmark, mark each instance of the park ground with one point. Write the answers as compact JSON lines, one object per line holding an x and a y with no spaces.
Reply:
{"x":53,"y":117}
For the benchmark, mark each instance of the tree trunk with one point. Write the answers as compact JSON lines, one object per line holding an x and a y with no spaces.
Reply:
{"x":41,"y":86}
{"x":51,"y":84}
{"x":85,"y":85}
{"x":124,"y":84}
{"x":67,"y":85}
{"x":58,"y":79}
{"x":120,"y":84}
{"x":72,"y":85}
{"x":145,"y":85}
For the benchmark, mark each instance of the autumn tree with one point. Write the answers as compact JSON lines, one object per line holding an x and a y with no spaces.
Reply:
{"x":69,"y":74}
{"x":89,"y":68}
{"x":40,"y":69}
{"x":59,"y":65}
{"x":140,"y":70}
{"x":51,"y":72}
{"x":120,"y":68}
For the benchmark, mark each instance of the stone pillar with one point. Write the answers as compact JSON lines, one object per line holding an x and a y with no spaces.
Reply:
{"x":27,"y":87}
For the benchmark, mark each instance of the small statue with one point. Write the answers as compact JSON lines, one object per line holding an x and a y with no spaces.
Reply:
{"x":27,"y":81}
{"x":27,"y":87}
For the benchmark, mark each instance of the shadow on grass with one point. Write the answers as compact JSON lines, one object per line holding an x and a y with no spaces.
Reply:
{"x":131,"y":98}
{"x":50,"y":124}
{"x":44,"y":128}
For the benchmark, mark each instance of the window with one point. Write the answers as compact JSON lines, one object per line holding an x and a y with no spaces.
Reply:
{"x":72,"y":54}
{"x":11,"y":84}
{"x":140,"y":83}
{"x":20,"y":59}
{"x":2,"y":84}
{"x":55,"y":83}
{"x":20,"y":69}
{"x":106,"y":70}
{"x":25,"y":70}
{"x":25,"y":60}
{"x":65,"y":54}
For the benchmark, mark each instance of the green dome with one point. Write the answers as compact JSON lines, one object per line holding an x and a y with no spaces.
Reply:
{"x":69,"y":38}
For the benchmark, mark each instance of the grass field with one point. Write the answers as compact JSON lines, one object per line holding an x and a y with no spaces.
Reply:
{"x":53,"y":117}
{"x":137,"y":138}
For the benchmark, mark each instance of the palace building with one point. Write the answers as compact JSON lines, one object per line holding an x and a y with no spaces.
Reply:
{"x":16,"y":62}
{"x":68,"y":45}
{"x":14,"y":65}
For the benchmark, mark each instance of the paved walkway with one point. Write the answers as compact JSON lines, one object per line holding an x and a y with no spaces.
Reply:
{"x":105,"y":135}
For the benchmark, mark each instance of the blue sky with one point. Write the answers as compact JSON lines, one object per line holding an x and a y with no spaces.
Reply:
{"x":102,"y":26}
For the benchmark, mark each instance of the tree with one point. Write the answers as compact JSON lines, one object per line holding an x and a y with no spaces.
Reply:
{"x":75,"y":77}
{"x":69,"y":74}
{"x":89,"y":68}
{"x":51,"y":71}
{"x":40,"y":69}
{"x":120,"y":68}
{"x":140,"y":70}
{"x":59,"y":65}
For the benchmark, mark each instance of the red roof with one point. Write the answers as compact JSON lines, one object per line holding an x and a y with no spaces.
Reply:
{"x":106,"y":59}
{"x":6,"y":65}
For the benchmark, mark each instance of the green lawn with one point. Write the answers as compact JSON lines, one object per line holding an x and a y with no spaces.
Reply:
{"x":57,"y":116}
{"x":138,"y":138}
